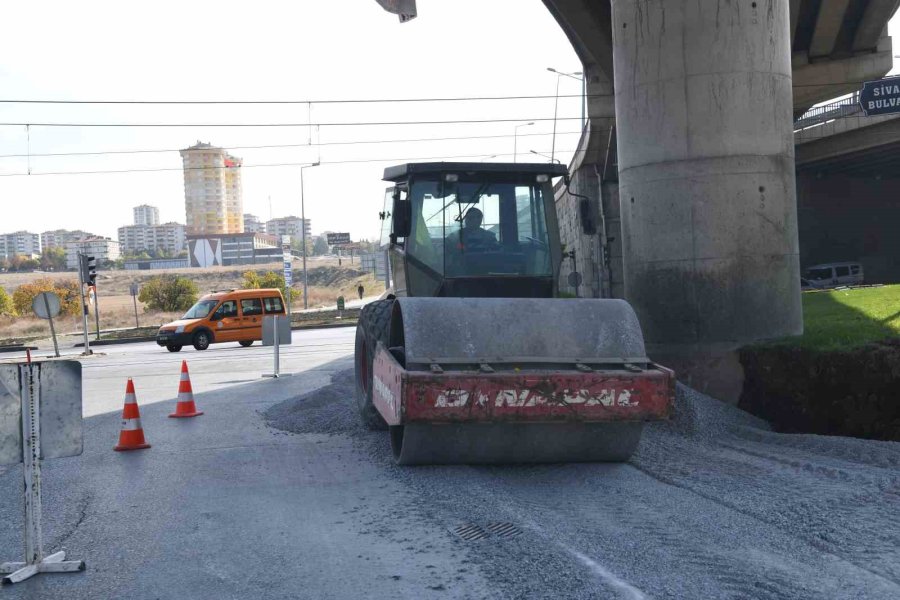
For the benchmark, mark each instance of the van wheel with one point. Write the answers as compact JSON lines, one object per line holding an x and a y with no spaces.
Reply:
{"x":246,"y":343}
{"x":173,"y":348}
{"x":201,"y":340}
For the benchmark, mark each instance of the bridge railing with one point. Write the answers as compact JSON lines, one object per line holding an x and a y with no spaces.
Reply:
{"x":817,"y":115}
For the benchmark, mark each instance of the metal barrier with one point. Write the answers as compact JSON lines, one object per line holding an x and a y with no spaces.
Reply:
{"x":817,"y":115}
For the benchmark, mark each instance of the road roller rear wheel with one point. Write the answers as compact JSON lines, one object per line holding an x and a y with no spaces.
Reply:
{"x":514,"y":443}
{"x":373,"y":326}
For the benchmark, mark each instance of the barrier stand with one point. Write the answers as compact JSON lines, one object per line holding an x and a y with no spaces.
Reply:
{"x":35,"y":561}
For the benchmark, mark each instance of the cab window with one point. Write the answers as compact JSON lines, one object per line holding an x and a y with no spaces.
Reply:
{"x":273,"y":305}
{"x":250,"y":307}
{"x":225,"y":310}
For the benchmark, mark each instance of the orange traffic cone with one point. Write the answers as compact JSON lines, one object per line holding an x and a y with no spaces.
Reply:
{"x":185,"y":406}
{"x":132,"y":435}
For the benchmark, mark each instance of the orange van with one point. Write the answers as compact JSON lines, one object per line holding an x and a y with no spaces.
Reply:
{"x":232,"y":316}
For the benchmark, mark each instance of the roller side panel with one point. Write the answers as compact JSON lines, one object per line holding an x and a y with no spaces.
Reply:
{"x":404,"y":397}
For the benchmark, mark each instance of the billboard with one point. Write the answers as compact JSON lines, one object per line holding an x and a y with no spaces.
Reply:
{"x":337,"y":239}
{"x":205,"y":252}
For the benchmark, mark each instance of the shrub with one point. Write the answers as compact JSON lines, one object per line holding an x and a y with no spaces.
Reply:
{"x":6,"y":303}
{"x":169,"y":293}
{"x":66,"y":289}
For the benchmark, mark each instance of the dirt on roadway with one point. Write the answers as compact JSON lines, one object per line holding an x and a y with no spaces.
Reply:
{"x":713,"y":505}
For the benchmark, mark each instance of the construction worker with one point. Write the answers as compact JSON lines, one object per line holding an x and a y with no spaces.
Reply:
{"x":472,"y":236}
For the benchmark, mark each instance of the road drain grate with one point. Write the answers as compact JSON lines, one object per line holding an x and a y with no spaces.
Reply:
{"x":471,"y":532}
{"x":504,"y":530}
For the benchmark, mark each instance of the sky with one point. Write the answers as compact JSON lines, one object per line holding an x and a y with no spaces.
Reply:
{"x":296,"y":50}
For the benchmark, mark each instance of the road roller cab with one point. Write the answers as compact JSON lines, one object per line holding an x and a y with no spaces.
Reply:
{"x":473,"y":358}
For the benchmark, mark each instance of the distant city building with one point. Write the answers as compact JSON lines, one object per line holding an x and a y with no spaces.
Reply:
{"x":212,"y":190}
{"x":134,"y":239}
{"x":289,"y":226}
{"x":103,"y":249}
{"x":252,"y":224}
{"x":58,"y":238}
{"x":146,"y":215}
{"x":20,"y":243}
{"x":214,"y":250}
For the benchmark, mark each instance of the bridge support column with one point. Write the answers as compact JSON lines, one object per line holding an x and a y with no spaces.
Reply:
{"x":706,"y":176}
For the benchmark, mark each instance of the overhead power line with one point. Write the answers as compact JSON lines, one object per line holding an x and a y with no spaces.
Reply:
{"x":268,"y":146}
{"x":282,"y":164}
{"x":334,"y":124}
{"x":313,"y":102}
{"x":310,"y":101}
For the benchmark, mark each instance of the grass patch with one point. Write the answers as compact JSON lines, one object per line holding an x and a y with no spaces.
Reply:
{"x":845,"y":319}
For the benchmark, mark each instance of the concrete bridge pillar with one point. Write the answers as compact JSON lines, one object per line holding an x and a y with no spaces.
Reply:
{"x":706,"y":171}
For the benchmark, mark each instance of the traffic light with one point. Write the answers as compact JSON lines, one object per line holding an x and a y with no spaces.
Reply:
{"x":89,"y":270}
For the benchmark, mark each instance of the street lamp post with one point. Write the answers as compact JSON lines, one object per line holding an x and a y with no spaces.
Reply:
{"x":556,"y":160}
{"x":560,"y":74}
{"x":303,"y":235}
{"x":516,"y":140}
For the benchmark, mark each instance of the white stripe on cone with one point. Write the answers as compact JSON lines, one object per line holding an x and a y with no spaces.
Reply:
{"x":130,"y":399}
{"x":131,"y":424}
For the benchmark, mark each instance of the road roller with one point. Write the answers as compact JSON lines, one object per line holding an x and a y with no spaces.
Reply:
{"x":473,"y":357}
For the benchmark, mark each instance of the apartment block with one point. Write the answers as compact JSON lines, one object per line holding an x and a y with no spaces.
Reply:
{"x":22,"y":243}
{"x":103,"y":249}
{"x":58,"y":238}
{"x":213,"y":195}
{"x":134,"y":239}
{"x":146,"y":215}
{"x":292,"y":226}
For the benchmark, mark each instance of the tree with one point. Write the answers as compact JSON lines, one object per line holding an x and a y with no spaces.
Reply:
{"x":6,"y":303}
{"x":66,"y":289}
{"x":320,"y":247}
{"x":253,"y":281}
{"x":53,"y":259}
{"x":169,"y":293}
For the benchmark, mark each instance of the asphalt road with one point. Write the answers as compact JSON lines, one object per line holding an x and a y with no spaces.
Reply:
{"x":277,"y":492}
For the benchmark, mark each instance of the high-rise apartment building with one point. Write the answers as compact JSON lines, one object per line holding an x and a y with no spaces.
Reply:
{"x":146,"y":215}
{"x":22,"y":243}
{"x":289,"y":226}
{"x":212,"y":190}
{"x":252,"y":224}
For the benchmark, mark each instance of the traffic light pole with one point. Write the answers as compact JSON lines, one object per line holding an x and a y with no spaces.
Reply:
{"x":82,"y":267}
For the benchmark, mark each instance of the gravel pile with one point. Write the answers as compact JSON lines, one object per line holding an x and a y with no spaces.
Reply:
{"x":714,"y":504}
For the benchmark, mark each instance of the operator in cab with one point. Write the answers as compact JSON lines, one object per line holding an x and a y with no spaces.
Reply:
{"x":472,"y":237}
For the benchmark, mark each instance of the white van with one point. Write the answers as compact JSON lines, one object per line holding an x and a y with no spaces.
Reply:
{"x":834,"y":274}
